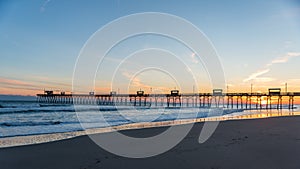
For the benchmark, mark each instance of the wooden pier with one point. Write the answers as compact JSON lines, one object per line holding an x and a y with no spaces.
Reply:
{"x":270,"y":100}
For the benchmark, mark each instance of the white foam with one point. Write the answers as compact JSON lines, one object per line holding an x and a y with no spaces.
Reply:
{"x":43,"y":138}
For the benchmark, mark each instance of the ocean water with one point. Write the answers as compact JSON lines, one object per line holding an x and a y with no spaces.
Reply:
{"x":21,"y":118}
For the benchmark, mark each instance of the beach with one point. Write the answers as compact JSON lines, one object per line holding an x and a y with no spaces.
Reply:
{"x":253,"y":143}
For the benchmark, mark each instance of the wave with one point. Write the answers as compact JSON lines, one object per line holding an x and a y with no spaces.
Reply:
{"x":14,"y":124}
{"x":50,"y":109}
{"x":114,"y":118}
{"x":31,"y":124}
{"x":66,"y":108}
{"x":45,"y":111}
{"x":53,"y":105}
{"x":230,"y":111}
{"x":9,"y":106}
{"x":12,"y":111}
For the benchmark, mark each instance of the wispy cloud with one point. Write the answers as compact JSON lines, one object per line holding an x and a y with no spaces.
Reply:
{"x":103,"y":90}
{"x":284,"y":58}
{"x":43,"y":7}
{"x":137,"y":83}
{"x":194,"y":58}
{"x":230,"y":85}
{"x":13,"y":82}
{"x":12,"y":85}
{"x":257,"y":76}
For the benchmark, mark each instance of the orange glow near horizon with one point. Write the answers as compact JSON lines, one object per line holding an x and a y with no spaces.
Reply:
{"x":16,"y":87}
{"x":21,"y":92}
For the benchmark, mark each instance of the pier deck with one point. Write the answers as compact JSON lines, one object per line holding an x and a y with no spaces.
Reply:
{"x":270,"y":100}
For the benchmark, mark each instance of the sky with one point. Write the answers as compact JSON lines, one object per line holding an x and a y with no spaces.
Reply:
{"x":258,"y":43}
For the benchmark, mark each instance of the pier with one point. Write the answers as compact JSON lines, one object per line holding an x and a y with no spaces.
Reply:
{"x":273,"y":99}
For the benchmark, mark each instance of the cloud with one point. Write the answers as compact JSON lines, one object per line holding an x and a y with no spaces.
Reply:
{"x":194,"y":58}
{"x":43,"y":7}
{"x":17,"y":91}
{"x":135,"y":81}
{"x":12,"y":86}
{"x":137,"y":84}
{"x":6,"y":81}
{"x":104,"y":90}
{"x":283,"y":59}
{"x":255,"y":75}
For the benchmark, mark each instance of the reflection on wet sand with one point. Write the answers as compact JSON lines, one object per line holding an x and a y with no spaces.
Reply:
{"x":252,"y":114}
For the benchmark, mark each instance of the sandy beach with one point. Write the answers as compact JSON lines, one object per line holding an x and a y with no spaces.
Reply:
{"x":255,"y":143}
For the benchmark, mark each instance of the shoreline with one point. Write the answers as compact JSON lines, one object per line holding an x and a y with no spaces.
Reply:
{"x":16,"y":141}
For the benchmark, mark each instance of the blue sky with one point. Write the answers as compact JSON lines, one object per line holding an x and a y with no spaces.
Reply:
{"x":257,"y":41}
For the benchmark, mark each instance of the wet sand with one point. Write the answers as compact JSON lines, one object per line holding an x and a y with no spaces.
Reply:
{"x":272,"y":143}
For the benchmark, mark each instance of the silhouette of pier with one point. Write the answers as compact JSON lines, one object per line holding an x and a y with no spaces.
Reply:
{"x":273,"y":99}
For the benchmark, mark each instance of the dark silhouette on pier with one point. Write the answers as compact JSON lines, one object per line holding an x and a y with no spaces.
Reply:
{"x":176,"y":99}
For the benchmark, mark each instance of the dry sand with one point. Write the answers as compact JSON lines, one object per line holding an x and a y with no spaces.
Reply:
{"x":272,"y":143}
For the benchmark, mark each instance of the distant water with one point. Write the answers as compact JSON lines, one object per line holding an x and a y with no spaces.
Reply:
{"x":18,"y":118}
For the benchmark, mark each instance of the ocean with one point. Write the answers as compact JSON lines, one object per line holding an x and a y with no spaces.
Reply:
{"x":23,"y":118}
